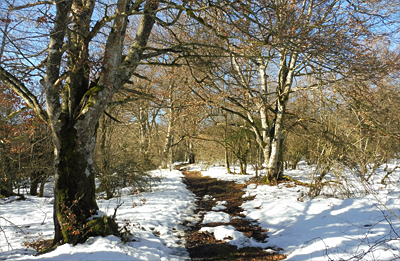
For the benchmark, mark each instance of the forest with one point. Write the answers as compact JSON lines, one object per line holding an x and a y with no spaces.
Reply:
{"x":98,"y":95}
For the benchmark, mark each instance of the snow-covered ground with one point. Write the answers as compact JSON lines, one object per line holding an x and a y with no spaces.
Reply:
{"x":323,"y":228}
{"x":154,"y":218}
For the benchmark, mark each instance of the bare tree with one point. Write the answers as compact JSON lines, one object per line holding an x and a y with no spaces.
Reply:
{"x":266,"y":47}
{"x":78,"y":88}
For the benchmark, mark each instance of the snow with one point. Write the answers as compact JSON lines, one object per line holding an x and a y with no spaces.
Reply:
{"x":213,"y":216}
{"x":220,"y":206}
{"x":227,"y":233}
{"x":323,"y":228}
{"x":328,"y":227}
{"x":155,"y":224}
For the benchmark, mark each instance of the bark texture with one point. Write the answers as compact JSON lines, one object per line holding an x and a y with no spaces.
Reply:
{"x":75,"y":100}
{"x":83,"y":103}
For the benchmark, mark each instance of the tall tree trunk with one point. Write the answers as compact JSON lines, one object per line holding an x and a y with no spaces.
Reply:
{"x":74,"y":187}
{"x":144,"y":135}
{"x":74,"y":104}
{"x":74,"y":122}
{"x":274,"y":169}
{"x":227,"y":163}
{"x":191,"y":157}
{"x":35,"y":178}
{"x":6,"y":186}
{"x":242,"y":157}
{"x":43,"y":181}
{"x":166,"y":154}
{"x":273,"y":172}
{"x":243,"y":166}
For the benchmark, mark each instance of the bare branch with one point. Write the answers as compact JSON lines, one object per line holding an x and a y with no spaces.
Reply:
{"x":12,"y":8}
{"x":14,"y":113}
{"x":18,"y":87}
{"x":111,"y":117}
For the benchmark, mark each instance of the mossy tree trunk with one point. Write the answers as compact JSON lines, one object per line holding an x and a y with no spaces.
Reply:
{"x":76,"y":97}
{"x":74,"y":127}
{"x":74,"y":186}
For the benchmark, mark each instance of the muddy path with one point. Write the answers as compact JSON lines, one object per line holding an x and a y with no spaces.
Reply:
{"x":203,"y":245}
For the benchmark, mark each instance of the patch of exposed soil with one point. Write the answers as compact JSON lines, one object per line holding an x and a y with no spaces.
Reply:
{"x":204,"y":246}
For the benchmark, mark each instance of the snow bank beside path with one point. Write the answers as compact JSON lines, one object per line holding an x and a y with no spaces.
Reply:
{"x":157,"y":233}
{"x":321,"y":228}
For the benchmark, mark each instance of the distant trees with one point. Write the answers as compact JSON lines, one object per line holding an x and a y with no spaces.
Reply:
{"x":175,"y":100}
{"x":11,"y":128}
{"x":337,"y":131}
{"x":25,"y":146}
{"x":117,"y":160}
{"x":375,"y":136}
{"x":39,"y":158}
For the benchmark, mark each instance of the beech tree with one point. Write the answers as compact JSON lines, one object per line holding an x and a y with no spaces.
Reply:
{"x":78,"y":87}
{"x":266,"y":47}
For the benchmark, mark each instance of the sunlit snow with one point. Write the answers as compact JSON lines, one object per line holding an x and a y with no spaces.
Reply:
{"x":322,"y":228}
